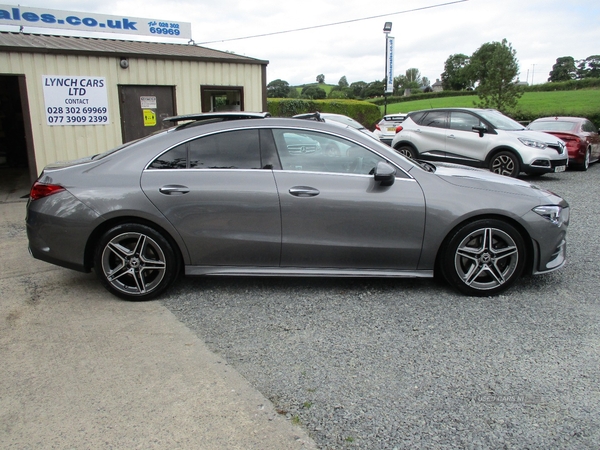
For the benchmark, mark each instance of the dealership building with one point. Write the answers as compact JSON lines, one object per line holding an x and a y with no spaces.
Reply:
{"x":66,"y":97}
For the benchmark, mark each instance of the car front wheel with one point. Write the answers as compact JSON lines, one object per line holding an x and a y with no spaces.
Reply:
{"x":135,"y":262}
{"x":484,"y":257}
{"x":505,"y":163}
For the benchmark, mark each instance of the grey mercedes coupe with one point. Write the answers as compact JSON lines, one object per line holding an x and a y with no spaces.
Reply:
{"x":246,"y":194}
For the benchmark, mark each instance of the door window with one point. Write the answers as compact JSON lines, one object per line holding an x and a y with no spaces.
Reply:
{"x":435,"y":119}
{"x":318,"y":152}
{"x":230,"y":150}
{"x":463,"y":121}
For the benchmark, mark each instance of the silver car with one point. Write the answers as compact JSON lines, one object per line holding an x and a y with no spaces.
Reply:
{"x":385,"y":130}
{"x":229,"y":194}
{"x":479,"y":138}
{"x":337,"y":118}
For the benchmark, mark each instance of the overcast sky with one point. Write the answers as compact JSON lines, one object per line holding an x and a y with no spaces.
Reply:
{"x":539,"y":30}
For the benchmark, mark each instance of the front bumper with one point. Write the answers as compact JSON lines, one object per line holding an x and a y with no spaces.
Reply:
{"x":546,"y":165}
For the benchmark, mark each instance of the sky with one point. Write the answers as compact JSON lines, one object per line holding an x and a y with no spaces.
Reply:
{"x":426,"y":32}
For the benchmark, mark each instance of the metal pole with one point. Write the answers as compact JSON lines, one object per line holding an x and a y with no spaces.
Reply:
{"x":385,"y":76}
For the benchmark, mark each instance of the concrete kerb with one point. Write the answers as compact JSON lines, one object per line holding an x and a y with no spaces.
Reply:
{"x":82,"y":369}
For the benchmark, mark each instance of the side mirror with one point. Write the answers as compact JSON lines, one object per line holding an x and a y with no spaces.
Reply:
{"x":481,"y":130}
{"x":385,"y":174}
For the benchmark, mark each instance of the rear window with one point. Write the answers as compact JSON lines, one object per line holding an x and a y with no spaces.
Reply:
{"x":552,"y":126}
{"x":230,"y":150}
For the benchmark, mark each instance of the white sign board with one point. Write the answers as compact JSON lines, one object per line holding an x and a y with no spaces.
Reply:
{"x":23,"y":16}
{"x":148,"y":102}
{"x":75,"y":100}
{"x":389,"y":66}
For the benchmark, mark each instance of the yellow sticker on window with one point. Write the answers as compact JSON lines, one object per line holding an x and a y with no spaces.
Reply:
{"x":149,"y":118}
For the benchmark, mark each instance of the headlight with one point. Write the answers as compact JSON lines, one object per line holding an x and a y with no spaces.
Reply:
{"x":551,"y":212}
{"x":532,"y":143}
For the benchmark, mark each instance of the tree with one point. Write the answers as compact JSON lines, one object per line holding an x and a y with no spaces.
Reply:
{"x":343,"y":83}
{"x":456,"y":75}
{"x":563,"y":70}
{"x":413,"y":77}
{"x":373,"y":89}
{"x":313,"y":92}
{"x":278,"y":89}
{"x":495,"y":67}
{"x":321,"y":78}
{"x":589,"y":67}
{"x":358,"y":89}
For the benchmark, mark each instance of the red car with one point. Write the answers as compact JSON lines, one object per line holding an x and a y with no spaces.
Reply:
{"x":580,"y":135}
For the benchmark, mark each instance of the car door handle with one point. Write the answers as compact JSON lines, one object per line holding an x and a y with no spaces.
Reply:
{"x":304,"y":191}
{"x":451,"y":136}
{"x":174,"y":189}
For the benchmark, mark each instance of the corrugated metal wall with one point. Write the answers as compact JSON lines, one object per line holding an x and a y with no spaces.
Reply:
{"x":58,"y":143}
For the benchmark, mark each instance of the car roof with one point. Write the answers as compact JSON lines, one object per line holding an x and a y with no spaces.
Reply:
{"x":451,"y":108}
{"x":229,"y":115}
{"x":560,"y":119}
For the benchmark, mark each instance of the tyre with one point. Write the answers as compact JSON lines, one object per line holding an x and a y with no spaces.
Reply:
{"x":483,"y":258}
{"x":505,"y":163}
{"x":135,"y":262}
{"x":585,"y":165}
{"x":407,"y":150}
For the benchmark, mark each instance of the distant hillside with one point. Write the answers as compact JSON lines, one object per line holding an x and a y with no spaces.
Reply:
{"x":324,"y":86}
{"x":579,"y":103}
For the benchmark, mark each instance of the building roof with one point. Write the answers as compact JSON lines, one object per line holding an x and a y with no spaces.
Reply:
{"x":41,"y":43}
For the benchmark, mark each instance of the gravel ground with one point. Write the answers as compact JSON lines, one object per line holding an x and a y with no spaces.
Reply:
{"x":405,"y":364}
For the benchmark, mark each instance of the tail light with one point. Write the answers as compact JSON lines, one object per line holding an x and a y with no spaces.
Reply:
{"x":377,"y":127}
{"x":41,"y":190}
{"x":572,"y":143}
{"x":399,"y":128}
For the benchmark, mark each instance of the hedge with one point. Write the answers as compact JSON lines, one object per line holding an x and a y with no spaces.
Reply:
{"x":420,"y":96}
{"x":366,"y":113}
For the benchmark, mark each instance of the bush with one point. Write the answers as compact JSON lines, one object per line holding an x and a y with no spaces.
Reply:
{"x":366,"y":113}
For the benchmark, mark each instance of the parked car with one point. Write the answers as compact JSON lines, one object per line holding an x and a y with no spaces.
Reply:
{"x":229,"y":194}
{"x":482,"y":138}
{"x":385,"y":130}
{"x":579,"y":134}
{"x":337,"y":118}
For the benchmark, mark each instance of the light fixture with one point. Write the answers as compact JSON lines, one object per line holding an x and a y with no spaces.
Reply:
{"x":387,"y":28}
{"x":124,"y":63}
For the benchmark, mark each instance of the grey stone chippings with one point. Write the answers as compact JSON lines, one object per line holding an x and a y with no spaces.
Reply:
{"x":409,"y":364}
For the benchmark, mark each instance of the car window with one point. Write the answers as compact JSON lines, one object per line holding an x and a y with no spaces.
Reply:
{"x":500,"y":121}
{"x":552,"y":126}
{"x":238,"y":149}
{"x":463,"y":121}
{"x":589,"y":127}
{"x":435,"y":119}
{"x":319,"y":152}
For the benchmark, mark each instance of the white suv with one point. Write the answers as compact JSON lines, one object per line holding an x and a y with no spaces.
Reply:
{"x":480,"y":138}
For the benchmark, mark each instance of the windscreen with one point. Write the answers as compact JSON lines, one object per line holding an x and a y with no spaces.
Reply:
{"x":500,"y":121}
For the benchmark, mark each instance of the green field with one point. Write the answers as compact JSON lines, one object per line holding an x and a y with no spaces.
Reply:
{"x":585,"y":102}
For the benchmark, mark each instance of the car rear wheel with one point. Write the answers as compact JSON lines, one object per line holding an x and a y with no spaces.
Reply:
{"x":484,"y":257}
{"x":505,"y":163}
{"x":407,"y":150}
{"x":585,"y":165}
{"x":135,"y":262}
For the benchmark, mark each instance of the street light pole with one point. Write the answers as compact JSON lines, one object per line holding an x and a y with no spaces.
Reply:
{"x":387,"y":28}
